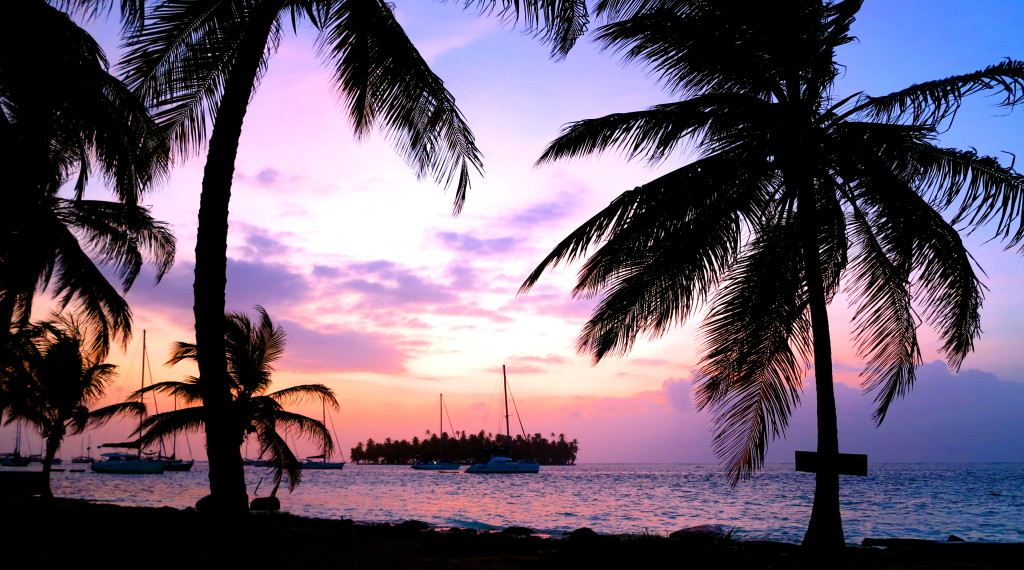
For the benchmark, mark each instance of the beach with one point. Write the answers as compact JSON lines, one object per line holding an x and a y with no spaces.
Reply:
{"x":61,"y":532}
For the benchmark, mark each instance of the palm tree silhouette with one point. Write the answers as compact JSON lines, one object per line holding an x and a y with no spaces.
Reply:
{"x":793,"y":191}
{"x":252,"y":349}
{"x":51,"y":378}
{"x":200,"y":61}
{"x":63,"y":120}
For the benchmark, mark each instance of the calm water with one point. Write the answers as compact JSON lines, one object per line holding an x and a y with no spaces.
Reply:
{"x":978,"y":502}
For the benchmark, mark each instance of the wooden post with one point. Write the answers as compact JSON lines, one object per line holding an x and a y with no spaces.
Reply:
{"x":842,"y":463}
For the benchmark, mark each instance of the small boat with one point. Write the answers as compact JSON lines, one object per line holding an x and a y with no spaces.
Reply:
{"x":126,"y":463}
{"x":15,"y":458}
{"x":500,"y":464}
{"x":175,"y":464}
{"x":438,"y":464}
{"x":82,"y":457}
{"x":321,"y":461}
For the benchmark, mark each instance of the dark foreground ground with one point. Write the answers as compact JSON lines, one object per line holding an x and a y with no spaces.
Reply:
{"x":66,"y":533}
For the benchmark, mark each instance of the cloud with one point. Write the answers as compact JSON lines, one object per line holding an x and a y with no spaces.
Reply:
{"x":967,"y":417}
{"x":340,"y":351}
{"x":970,"y":416}
{"x":466,"y":243}
{"x":268,"y":284}
{"x":384,"y":284}
{"x":542,"y":214}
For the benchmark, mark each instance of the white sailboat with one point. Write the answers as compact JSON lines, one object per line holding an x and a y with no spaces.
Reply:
{"x":438,"y":464}
{"x":127,"y":462}
{"x":322,"y":461}
{"x":501,"y":464}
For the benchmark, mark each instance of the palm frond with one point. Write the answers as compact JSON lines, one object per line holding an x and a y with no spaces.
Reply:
{"x":755,"y":340}
{"x":981,"y":192}
{"x":189,"y":392}
{"x":121,"y":235}
{"x":711,"y":122}
{"x":166,"y":425}
{"x":178,"y":61}
{"x":101,"y":416}
{"x":934,"y":102}
{"x":304,"y":393}
{"x":557,"y":22}
{"x":384,"y":80}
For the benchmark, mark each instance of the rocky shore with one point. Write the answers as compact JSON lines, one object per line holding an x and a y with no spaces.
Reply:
{"x":60,"y":533}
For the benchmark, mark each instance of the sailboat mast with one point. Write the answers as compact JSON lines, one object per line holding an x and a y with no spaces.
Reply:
{"x":440,"y":423}
{"x":142,"y":386}
{"x":508,"y":432}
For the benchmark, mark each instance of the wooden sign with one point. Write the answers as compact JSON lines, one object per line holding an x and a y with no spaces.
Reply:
{"x":845,"y":463}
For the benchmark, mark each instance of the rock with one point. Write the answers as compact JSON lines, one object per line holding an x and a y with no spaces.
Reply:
{"x":954,"y":538}
{"x":412,"y":525}
{"x":897,"y":542}
{"x":583,"y":533}
{"x":518,"y":531}
{"x":703,"y":535}
{"x":265,"y":504}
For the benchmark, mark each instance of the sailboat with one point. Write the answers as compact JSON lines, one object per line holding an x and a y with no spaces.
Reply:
{"x":173,"y":463}
{"x":82,"y":457}
{"x":126,"y":461}
{"x":501,"y":464}
{"x":15,"y":459}
{"x":438,"y":464}
{"x":322,"y":461}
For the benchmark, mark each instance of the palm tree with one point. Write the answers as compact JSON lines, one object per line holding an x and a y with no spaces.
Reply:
{"x":64,"y":118}
{"x":52,"y":379}
{"x":200,"y":61}
{"x":794,"y":191}
{"x":252,"y":349}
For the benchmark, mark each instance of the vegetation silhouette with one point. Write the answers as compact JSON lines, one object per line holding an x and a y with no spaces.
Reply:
{"x":251,"y":350}
{"x":63,"y":120}
{"x":792,"y":191}
{"x":51,"y":378}
{"x":466,"y":449}
{"x":200,"y":62}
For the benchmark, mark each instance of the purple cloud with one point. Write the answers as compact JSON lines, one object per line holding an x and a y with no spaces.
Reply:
{"x":541,"y":214}
{"x":970,"y":416}
{"x":466,"y":243}
{"x":310,"y":350}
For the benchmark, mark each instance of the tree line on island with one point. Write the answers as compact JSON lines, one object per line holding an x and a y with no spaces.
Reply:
{"x":466,"y":448}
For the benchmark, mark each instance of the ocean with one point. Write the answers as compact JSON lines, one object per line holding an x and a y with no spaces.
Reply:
{"x":981,"y":502}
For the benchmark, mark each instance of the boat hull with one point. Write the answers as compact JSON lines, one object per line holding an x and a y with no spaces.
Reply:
{"x":179,"y":465}
{"x":322,"y":464}
{"x":128,"y":466}
{"x":499,"y":465}
{"x":437,"y":466}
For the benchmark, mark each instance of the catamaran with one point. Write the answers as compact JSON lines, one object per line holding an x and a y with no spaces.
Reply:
{"x":501,"y":464}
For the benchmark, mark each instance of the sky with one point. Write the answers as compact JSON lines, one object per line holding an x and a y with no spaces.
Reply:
{"x":390,"y":300}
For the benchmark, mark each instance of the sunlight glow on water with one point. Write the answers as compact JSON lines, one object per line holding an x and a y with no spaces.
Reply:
{"x":978,"y":502}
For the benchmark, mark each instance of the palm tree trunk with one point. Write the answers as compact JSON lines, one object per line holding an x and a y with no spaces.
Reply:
{"x":825,"y":529}
{"x":53,"y":442}
{"x":223,"y":446}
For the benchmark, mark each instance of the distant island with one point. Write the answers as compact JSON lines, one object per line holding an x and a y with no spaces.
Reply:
{"x":466,"y":448}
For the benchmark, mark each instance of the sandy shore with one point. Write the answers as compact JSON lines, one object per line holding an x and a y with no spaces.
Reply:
{"x":61,"y":533}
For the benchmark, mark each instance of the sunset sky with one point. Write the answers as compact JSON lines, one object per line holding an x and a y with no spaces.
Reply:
{"x":390,"y":300}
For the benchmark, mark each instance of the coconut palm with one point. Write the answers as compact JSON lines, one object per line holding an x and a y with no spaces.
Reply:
{"x":64,"y":119}
{"x":794,"y":190}
{"x":52,"y":378}
{"x":200,"y":61}
{"x":252,"y":349}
